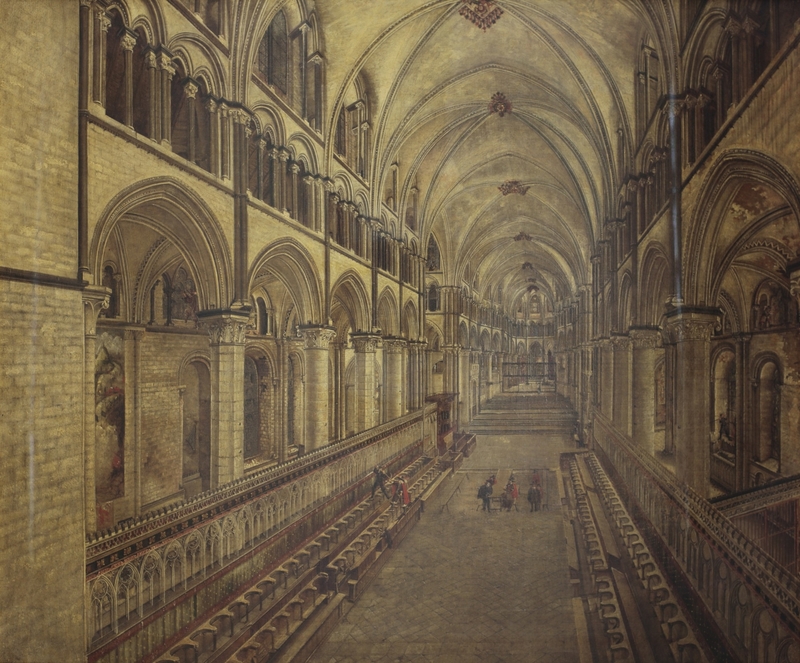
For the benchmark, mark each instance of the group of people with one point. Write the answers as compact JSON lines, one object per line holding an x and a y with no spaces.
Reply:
{"x":399,"y":489}
{"x":508,"y":499}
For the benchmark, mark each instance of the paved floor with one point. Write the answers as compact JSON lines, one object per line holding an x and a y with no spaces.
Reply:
{"x":466,"y":586}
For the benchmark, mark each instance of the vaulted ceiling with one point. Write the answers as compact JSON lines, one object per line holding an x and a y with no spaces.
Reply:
{"x":555,"y":135}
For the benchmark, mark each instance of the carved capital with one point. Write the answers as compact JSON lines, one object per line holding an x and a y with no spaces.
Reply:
{"x":211,"y":105}
{"x":394,"y":345}
{"x":645,"y":338}
{"x":673,"y":107}
{"x":103,"y":20}
{"x":190,"y":89}
{"x":732,"y":26}
{"x":225,"y":327}
{"x":240,"y":116}
{"x":128,"y":40}
{"x":150,"y":60}
{"x":95,"y":298}
{"x":620,"y":342}
{"x":316,"y":337}
{"x":365,"y":341}
{"x":294,"y":168}
{"x":686,"y":324}
{"x":165,"y":63}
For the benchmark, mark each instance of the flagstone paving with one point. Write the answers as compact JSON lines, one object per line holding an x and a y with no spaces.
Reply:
{"x":467,"y":586}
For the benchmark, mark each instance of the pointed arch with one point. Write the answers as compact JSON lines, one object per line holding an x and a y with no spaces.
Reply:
{"x":176,"y":213}
{"x":290,"y":263}
{"x":388,"y":313}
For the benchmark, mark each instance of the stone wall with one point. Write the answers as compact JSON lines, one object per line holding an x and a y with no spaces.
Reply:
{"x":39,"y":134}
{"x":41,"y":474}
{"x":41,"y":428}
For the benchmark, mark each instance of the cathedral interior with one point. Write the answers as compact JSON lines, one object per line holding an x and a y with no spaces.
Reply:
{"x":282,"y":282}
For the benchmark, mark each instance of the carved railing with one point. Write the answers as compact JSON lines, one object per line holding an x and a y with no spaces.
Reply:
{"x":761,"y":497}
{"x":754,"y":601}
{"x":723,"y":472}
{"x":207,"y":543}
{"x":214,"y":502}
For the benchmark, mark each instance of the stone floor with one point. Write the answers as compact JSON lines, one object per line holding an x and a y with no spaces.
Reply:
{"x":467,"y":586}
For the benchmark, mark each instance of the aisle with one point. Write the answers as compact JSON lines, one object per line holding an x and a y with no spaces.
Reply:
{"x":467,"y":586}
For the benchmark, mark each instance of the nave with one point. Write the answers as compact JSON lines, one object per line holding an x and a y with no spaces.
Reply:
{"x":467,"y":586}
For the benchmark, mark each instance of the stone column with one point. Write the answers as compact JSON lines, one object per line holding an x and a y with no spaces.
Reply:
{"x":154,"y":125}
{"x":95,"y":299}
{"x":644,"y":353}
{"x":283,"y":178}
{"x":690,"y":329}
{"x":395,"y":355}
{"x":101,"y":25}
{"x":293,"y":202}
{"x":227,"y":331}
{"x":308,"y":216}
{"x":316,"y":342}
{"x":606,"y":395}
{"x":212,"y":108}
{"x":465,"y":393}
{"x":190,"y":90}
{"x":742,"y":410}
{"x":128,"y":43}
{"x":365,"y":344}
{"x":224,"y":140}
{"x":620,"y":349}
{"x":167,"y":70}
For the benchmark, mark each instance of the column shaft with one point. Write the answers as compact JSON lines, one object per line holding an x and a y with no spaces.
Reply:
{"x":316,"y":341}
{"x":227,"y":331}
{"x":645,"y":352}
{"x":690,"y":328}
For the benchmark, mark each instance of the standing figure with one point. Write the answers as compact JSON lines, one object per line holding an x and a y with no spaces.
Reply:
{"x":512,"y":493}
{"x":402,"y":492}
{"x":485,"y":494}
{"x":379,"y":481}
{"x":537,"y":498}
{"x":532,"y":495}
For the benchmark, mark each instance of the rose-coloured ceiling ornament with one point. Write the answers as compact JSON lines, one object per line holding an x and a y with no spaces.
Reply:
{"x":482,"y":13}
{"x":499,"y":104}
{"x":523,"y":237}
{"x":513,"y":186}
